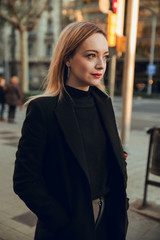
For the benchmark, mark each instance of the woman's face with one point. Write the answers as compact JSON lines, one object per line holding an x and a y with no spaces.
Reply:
{"x":88,"y":64}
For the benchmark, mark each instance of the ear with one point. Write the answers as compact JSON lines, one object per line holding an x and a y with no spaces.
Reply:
{"x":68,"y":63}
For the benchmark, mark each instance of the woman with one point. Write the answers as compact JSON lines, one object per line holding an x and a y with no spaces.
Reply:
{"x":70,"y":166}
{"x":13,"y":98}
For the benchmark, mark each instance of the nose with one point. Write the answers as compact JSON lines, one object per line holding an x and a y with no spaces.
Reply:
{"x":100,"y":63}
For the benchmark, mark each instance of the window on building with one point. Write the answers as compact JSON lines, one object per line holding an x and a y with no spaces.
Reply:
{"x":31,"y":35}
{"x":49,"y":26}
{"x":30,"y":73}
{"x":49,"y":50}
{"x":50,"y":4}
{"x":29,"y":1}
{"x":30,"y":49}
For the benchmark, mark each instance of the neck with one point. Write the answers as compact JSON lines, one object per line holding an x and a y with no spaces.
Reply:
{"x":83,"y":88}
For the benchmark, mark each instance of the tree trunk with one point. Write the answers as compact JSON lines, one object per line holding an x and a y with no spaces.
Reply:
{"x":13,"y":60}
{"x":57,"y":19}
{"x":24,"y":60}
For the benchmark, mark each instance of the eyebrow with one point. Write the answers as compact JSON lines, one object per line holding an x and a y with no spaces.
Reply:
{"x":91,"y":50}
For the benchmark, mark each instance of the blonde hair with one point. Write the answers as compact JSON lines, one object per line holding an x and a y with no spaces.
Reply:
{"x":70,"y":39}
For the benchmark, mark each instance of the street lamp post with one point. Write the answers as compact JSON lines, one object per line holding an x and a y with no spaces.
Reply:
{"x":128,"y":73}
{"x":154,"y":20}
{"x":153,"y":35}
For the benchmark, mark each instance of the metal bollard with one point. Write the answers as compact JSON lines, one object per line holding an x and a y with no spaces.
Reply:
{"x":155,"y":167}
{"x":154,"y":155}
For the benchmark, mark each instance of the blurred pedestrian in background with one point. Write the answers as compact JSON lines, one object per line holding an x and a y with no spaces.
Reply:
{"x":2,"y":97}
{"x":70,"y":166}
{"x":13,"y":98}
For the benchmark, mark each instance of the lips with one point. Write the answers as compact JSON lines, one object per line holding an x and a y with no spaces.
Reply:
{"x":97,"y":75}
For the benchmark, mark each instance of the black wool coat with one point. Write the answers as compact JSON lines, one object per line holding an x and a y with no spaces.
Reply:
{"x":51,"y":174}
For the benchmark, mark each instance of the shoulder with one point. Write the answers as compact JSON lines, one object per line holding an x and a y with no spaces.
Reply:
{"x":40,"y":109}
{"x":43,"y":105}
{"x":43,"y":101}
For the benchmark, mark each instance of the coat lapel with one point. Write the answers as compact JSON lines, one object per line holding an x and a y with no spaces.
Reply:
{"x":66,"y":116}
{"x":105,"y":109}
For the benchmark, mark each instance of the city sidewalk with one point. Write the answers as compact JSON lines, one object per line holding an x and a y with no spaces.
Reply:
{"x":18,"y":223}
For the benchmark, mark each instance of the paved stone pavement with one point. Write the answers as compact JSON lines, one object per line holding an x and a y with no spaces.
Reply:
{"x":18,"y":223}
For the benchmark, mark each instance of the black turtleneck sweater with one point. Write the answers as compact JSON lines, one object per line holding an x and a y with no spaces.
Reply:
{"x":94,"y":139}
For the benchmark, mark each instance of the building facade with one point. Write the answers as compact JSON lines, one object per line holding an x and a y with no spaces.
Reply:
{"x":59,"y":13}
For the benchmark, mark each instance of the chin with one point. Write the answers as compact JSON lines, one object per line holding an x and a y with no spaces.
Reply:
{"x":95,"y":84}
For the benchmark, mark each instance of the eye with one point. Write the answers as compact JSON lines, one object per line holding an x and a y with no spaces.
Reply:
{"x":91,"y":55}
{"x":106,"y":57}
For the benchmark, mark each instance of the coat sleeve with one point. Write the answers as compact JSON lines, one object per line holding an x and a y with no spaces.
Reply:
{"x":28,"y":180}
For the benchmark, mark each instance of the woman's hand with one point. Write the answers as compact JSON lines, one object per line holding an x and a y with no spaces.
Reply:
{"x":125,"y":155}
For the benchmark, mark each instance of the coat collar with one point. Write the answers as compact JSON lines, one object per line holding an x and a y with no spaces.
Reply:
{"x":67,"y":118}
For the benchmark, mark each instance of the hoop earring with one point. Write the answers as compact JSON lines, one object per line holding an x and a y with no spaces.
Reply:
{"x":69,"y":69}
